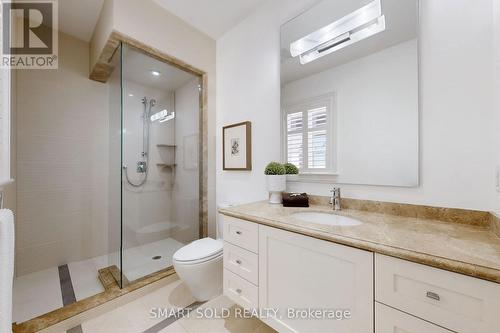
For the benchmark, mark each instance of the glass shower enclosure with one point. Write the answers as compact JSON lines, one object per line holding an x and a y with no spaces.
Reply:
{"x":154,"y":182}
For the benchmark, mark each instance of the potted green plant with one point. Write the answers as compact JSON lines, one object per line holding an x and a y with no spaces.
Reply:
{"x":276,"y":181}
{"x":291,"y":169}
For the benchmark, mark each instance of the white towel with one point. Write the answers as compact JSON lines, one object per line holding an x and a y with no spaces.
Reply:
{"x":6,"y":269}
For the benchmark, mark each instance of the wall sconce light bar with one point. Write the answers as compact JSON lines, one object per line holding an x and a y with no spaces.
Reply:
{"x":360,"y":24}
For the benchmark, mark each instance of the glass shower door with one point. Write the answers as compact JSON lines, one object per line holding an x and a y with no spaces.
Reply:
{"x":159,"y":149}
{"x":115,"y":167}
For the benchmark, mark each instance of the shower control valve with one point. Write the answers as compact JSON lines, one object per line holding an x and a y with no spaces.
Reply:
{"x":141,"y":167}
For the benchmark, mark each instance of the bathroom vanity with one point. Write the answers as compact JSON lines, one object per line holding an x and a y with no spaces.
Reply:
{"x":388,"y":274}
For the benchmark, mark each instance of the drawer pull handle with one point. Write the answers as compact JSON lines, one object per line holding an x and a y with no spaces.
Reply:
{"x":238,"y":232}
{"x":433,"y":296}
{"x":238,"y":262}
{"x":239,"y":291}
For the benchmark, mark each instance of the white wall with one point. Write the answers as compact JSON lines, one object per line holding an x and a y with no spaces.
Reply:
{"x":376,"y":115}
{"x":496,"y":38}
{"x":248,"y":88}
{"x":62,"y":135}
{"x":457,"y":118}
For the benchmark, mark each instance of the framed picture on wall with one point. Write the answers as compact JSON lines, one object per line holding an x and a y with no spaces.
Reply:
{"x":237,"y":146}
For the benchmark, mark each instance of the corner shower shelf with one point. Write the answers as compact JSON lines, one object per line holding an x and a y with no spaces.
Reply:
{"x":163,"y":165}
{"x":165,"y":146}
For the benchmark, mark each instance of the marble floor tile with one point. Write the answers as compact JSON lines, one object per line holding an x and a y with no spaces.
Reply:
{"x":231,"y":324}
{"x":36,"y":294}
{"x":135,"y":317}
{"x":174,"y":328}
{"x":84,"y":278}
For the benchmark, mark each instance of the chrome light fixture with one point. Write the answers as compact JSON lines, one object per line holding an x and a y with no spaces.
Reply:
{"x":170,"y":116}
{"x":358,"y":25}
{"x":162,"y":116}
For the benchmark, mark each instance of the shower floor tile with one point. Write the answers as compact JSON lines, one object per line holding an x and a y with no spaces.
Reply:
{"x":138,"y":261}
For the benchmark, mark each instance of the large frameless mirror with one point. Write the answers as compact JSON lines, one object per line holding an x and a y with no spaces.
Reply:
{"x":350,"y":92}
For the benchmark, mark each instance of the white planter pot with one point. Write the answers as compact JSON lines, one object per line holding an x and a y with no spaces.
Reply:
{"x":276,"y":184}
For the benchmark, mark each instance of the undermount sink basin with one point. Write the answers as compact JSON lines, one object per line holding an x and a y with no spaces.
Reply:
{"x":327,"y":219}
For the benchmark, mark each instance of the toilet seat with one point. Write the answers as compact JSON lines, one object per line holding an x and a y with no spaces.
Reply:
{"x":199,"y":251}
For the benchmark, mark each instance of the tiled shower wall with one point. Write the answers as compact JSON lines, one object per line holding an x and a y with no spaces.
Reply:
{"x":185,"y":213}
{"x":148,"y":206}
{"x":62,"y":163}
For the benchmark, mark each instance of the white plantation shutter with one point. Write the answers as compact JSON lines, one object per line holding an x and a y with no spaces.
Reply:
{"x":295,"y":151}
{"x":316,"y":117}
{"x":316,"y":150}
{"x":294,"y":122}
{"x":294,"y":138}
{"x":316,"y":138}
{"x":309,"y":136}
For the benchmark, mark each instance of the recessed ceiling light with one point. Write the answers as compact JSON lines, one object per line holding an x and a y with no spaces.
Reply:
{"x":155,"y":73}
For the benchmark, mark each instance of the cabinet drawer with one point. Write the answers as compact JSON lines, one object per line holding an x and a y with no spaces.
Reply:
{"x":457,"y":302}
{"x":241,"y":262}
{"x":241,"y":233}
{"x":389,"y":320}
{"x":240,"y":290}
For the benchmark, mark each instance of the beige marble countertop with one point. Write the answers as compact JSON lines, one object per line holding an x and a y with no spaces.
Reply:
{"x":462,"y":248}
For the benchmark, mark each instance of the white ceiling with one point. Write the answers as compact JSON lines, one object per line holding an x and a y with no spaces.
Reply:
{"x":213,"y":17}
{"x":79,"y":17}
{"x":137,"y":68}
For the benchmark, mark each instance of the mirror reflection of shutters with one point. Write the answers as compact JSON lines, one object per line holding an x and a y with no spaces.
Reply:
{"x":316,"y":138}
{"x":295,"y":128}
{"x":307,"y":137}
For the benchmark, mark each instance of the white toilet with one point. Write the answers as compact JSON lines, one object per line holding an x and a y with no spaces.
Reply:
{"x":199,"y":266}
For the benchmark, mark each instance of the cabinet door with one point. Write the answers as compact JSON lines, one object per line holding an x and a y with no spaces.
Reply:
{"x":389,"y":320}
{"x":299,"y":273}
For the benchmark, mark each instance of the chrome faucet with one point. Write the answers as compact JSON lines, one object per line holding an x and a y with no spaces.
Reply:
{"x":335,"y":198}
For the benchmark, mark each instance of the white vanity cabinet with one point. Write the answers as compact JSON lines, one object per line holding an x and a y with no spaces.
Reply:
{"x":299,"y":272}
{"x":270,"y":268}
{"x":456,"y":302}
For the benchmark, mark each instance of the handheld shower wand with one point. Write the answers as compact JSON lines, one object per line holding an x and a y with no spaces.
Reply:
{"x":143,"y":166}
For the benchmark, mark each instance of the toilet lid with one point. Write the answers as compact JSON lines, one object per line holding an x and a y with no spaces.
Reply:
{"x":199,"y":249}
